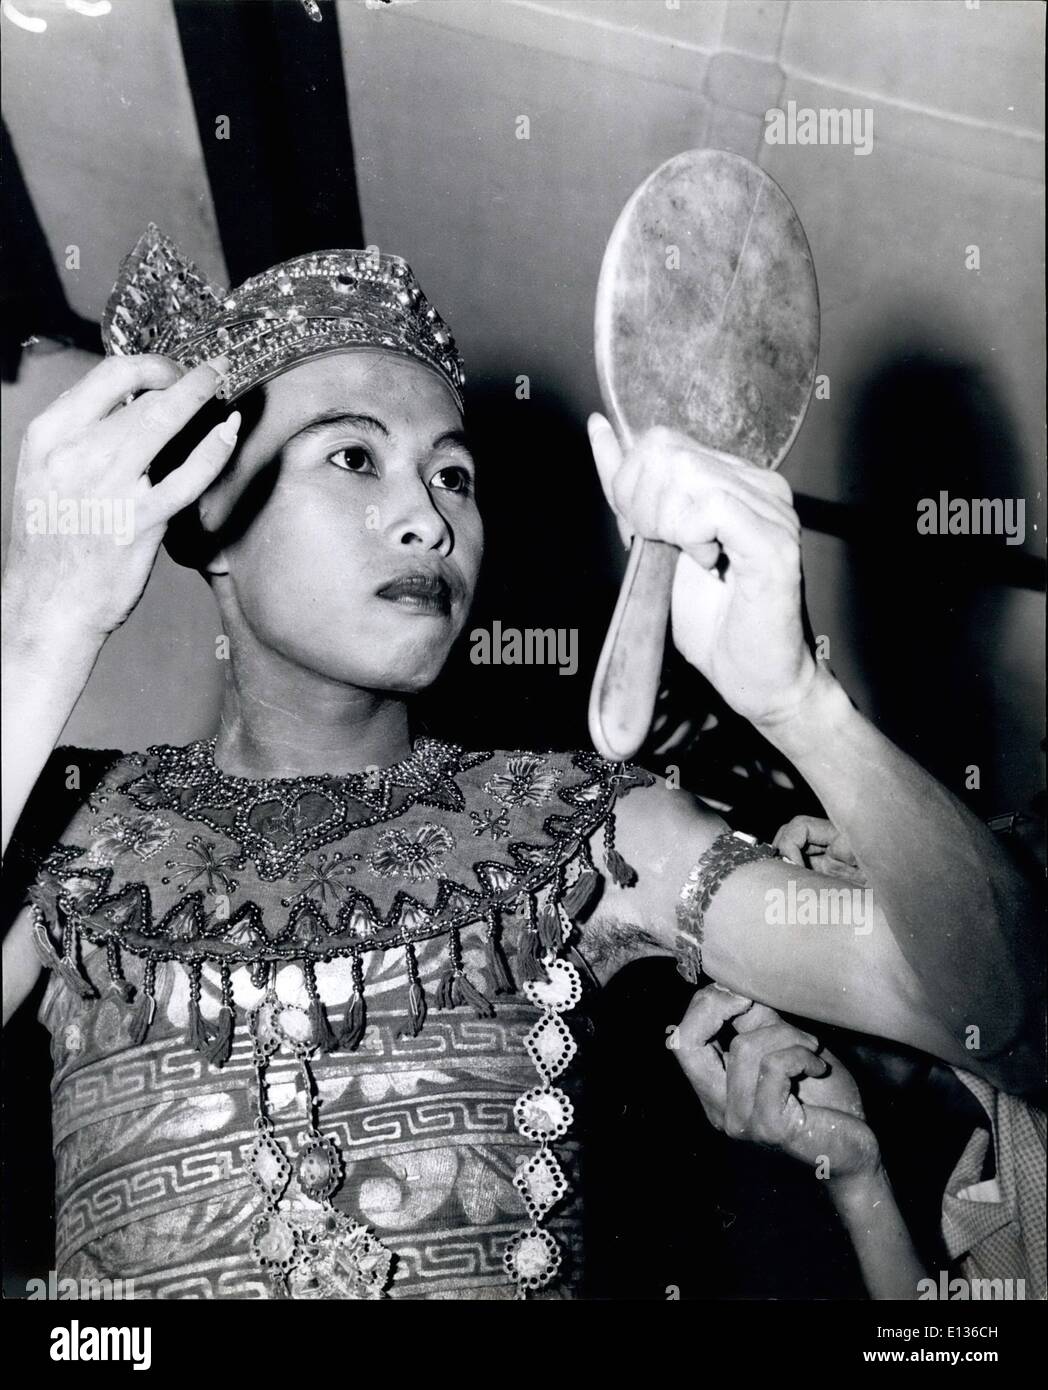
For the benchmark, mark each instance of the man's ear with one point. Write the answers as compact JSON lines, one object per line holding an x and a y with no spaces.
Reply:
{"x":214,"y":520}
{"x":213,"y":511}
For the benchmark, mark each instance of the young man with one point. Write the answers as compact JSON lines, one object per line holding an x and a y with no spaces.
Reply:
{"x":296,"y":1080}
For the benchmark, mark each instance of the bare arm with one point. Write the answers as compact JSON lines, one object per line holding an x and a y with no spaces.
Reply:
{"x":853,"y":975}
{"x":953,"y":961}
{"x":22,"y":965}
{"x":868,"y":1211}
{"x":960,"y":912}
{"x":44,"y":673}
{"x":65,"y":593}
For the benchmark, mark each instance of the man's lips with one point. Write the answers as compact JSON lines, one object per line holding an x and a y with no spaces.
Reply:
{"x":425,"y":593}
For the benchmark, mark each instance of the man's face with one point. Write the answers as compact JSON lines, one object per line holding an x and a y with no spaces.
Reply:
{"x":350,"y":536}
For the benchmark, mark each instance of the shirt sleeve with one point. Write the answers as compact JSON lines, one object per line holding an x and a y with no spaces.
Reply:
{"x":994,"y":1223}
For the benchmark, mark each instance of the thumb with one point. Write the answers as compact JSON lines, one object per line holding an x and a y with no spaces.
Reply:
{"x":840,"y":848}
{"x":607,"y":455}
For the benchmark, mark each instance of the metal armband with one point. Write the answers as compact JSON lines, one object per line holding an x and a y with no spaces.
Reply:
{"x":729,"y":851}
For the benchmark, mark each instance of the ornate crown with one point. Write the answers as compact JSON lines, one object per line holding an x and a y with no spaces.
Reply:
{"x":306,"y":307}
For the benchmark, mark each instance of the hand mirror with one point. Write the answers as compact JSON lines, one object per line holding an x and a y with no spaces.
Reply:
{"x":707,"y":321}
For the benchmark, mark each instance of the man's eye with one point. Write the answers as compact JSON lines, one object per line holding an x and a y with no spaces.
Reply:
{"x":453,"y":479}
{"x":354,"y":459}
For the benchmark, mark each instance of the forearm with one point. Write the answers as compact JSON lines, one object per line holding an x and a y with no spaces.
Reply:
{"x":869,"y":1213}
{"x":45,"y":668}
{"x":960,"y":912}
{"x":22,"y":964}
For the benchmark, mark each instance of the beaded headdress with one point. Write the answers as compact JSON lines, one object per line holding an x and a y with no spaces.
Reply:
{"x":306,"y":307}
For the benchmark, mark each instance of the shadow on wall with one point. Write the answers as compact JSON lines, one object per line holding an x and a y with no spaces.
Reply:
{"x":918,"y":604}
{"x":552,"y":560}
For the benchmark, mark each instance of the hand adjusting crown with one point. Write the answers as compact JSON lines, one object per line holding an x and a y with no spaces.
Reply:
{"x":306,"y":307}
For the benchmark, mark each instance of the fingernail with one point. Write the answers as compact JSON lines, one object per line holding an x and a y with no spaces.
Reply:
{"x":227,"y":430}
{"x":219,"y":364}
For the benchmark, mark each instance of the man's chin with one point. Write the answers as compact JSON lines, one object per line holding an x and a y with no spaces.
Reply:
{"x":408,"y":673}
{"x":385,"y":659}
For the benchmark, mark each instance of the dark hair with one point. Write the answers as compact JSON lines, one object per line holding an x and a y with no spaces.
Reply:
{"x":186,"y":541}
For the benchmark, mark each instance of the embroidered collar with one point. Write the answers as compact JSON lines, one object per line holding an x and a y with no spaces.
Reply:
{"x":278,"y":820}
{"x":348,"y":884}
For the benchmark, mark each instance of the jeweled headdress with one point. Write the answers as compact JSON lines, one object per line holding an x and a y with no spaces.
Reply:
{"x":306,"y":307}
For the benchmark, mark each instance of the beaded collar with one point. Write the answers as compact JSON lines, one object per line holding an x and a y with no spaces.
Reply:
{"x":316,"y":869}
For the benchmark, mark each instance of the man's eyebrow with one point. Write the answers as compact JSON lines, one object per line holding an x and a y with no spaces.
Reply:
{"x":458,"y":437}
{"x":340,"y":417}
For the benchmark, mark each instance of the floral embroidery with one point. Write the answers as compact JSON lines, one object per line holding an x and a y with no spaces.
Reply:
{"x":428,"y":776}
{"x":276,"y":821}
{"x":495,"y":823}
{"x":79,"y":887}
{"x":149,"y":792}
{"x":142,"y":835}
{"x":415,"y":854}
{"x":205,"y":863}
{"x":323,"y":876}
{"x":526,"y":782}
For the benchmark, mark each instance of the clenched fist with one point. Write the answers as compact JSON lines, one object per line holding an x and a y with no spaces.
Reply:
{"x":774,"y":1086}
{"x":736,"y":610}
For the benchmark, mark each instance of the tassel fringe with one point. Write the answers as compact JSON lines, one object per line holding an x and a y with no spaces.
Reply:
{"x":196,"y":1034}
{"x":417,"y":1006}
{"x":468,"y":994}
{"x":142,"y":1016}
{"x":625,"y":875}
{"x":502,"y":982}
{"x":551,"y":934}
{"x":356,"y":1015}
{"x":356,"y":1022}
{"x":530,"y":959}
{"x":581,"y":891}
{"x":68,"y":967}
{"x":45,"y":947}
{"x":446,"y":991}
{"x":221,"y":1045}
{"x":118,"y":987}
{"x":322,"y":1032}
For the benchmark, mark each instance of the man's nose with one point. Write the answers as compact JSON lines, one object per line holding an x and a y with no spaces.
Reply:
{"x":418,"y":522}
